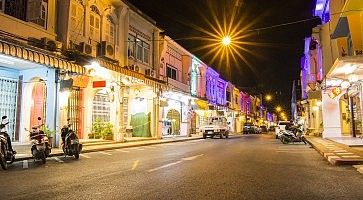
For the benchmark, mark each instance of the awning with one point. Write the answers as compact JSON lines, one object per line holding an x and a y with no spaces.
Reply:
{"x":147,"y":80}
{"x":342,"y":28}
{"x":201,"y":104}
{"x":32,"y":55}
{"x":352,"y":7}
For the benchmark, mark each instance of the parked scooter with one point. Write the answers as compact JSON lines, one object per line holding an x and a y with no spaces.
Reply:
{"x":7,"y":155}
{"x":70,"y":141}
{"x":41,"y":148}
{"x":294,"y":134}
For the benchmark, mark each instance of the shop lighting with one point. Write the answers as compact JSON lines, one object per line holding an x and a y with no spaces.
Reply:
{"x":353,"y":78}
{"x":315,"y":108}
{"x":63,"y":98}
{"x":318,"y":103}
{"x":345,"y":84}
{"x":349,"y":68}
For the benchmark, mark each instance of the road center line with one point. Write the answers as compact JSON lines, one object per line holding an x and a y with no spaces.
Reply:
{"x":25,"y":164}
{"x":84,"y":156}
{"x":164,"y":166}
{"x":135,"y":164}
{"x":104,"y":153}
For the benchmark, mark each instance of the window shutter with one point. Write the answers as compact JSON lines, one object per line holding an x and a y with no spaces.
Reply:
{"x":34,"y":10}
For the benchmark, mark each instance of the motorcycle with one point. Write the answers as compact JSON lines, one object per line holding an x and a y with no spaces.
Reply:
{"x":7,"y":156}
{"x":40,"y":146}
{"x":294,"y":134}
{"x":71,"y":145}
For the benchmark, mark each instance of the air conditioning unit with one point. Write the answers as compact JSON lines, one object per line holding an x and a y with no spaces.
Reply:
{"x":86,"y":49}
{"x":51,"y":45}
{"x":107,"y":50}
{"x":150,"y":72}
{"x":134,"y":68}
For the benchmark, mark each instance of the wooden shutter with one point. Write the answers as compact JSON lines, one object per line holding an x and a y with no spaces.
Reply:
{"x":34,"y":10}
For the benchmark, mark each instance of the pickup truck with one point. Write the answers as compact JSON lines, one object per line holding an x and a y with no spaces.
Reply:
{"x":215,"y":126}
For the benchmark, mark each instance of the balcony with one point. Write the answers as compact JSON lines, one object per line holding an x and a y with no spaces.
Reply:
{"x":178,"y":86}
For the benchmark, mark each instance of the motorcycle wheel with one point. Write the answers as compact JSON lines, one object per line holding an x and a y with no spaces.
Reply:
{"x":43,"y":157}
{"x":3,"y":162}
{"x":76,"y":152}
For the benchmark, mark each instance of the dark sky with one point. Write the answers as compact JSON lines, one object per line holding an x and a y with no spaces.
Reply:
{"x":269,"y":64}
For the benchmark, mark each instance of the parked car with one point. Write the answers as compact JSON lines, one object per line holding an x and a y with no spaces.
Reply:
{"x":263,"y":129}
{"x":280,"y":127}
{"x":250,"y":128}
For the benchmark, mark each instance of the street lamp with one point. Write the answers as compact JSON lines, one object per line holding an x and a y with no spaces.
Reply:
{"x":226,"y":40}
{"x":278,"y":108}
{"x":268,"y":97}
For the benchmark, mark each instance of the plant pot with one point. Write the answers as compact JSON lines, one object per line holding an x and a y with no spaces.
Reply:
{"x":108,"y":137}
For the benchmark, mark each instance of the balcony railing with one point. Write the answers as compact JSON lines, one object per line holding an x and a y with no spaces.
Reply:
{"x":178,"y":85}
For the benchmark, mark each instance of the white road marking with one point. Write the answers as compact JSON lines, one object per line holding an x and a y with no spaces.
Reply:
{"x":355,"y":156}
{"x":58,"y":160}
{"x":121,"y":150}
{"x":84,"y":156}
{"x":140,"y":149}
{"x":192,"y":157}
{"x":150,"y":147}
{"x":25,"y":164}
{"x":164,"y":166}
{"x":104,"y":153}
{"x":135,"y":165}
{"x":175,"y":163}
{"x":345,"y":153}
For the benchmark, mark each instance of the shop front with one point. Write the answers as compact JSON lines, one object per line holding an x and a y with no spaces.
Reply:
{"x":176,"y":114}
{"x":119,"y":104}
{"x":28,"y":88}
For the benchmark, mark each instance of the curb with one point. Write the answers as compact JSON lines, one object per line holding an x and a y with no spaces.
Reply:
{"x":333,"y":158}
{"x":116,"y":147}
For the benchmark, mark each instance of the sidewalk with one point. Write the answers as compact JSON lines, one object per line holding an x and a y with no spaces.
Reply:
{"x":23,"y":151}
{"x":336,"y":153}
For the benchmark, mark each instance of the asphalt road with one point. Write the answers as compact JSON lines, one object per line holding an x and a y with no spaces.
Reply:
{"x":242,"y":167}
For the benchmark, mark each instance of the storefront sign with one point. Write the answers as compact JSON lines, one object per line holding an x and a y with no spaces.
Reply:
{"x":80,"y":81}
{"x":99,"y":84}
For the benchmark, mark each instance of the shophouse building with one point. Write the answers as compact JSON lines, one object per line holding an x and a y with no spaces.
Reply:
{"x":175,"y":67}
{"x":31,"y":61}
{"x":118,"y":46}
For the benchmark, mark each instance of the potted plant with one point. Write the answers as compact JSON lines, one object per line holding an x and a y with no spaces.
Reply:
{"x":97,"y":128}
{"x":107,"y":132}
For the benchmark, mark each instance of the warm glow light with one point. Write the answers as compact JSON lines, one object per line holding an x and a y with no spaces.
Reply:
{"x":63,"y":98}
{"x":278,"y":108}
{"x":315,"y":108}
{"x":318,"y":103}
{"x":268,"y":97}
{"x":345,"y":84}
{"x":226,"y":40}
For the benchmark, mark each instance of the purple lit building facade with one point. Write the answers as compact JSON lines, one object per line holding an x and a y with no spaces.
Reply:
{"x":211,"y":85}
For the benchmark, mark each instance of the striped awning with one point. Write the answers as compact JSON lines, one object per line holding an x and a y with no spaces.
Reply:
{"x":117,"y":68}
{"x":31,"y":55}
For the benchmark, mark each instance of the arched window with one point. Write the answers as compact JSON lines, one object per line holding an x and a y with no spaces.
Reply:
{"x":95,"y":24}
{"x":110,"y":30}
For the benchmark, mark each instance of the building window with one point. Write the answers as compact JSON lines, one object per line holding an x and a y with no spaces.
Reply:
{"x":95,"y":24}
{"x":2,"y":5}
{"x":171,"y":72}
{"x":37,"y":12}
{"x":138,"y":49}
{"x":131,"y":46}
{"x":101,"y":107}
{"x":109,"y":30}
{"x":77,"y":20}
{"x":146,"y":49}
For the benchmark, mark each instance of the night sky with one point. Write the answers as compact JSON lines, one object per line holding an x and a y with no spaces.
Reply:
{"x":270,"y":58}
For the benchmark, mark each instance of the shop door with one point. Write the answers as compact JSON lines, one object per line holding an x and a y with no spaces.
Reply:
{"x":174,"y":116}
{"x":8,"y":97}
{"x":37,"y":106}
{"x":100,"y":113}
{"x":75,"y":111}
{"x":194,"y":124}
{"x":357,"y":115}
